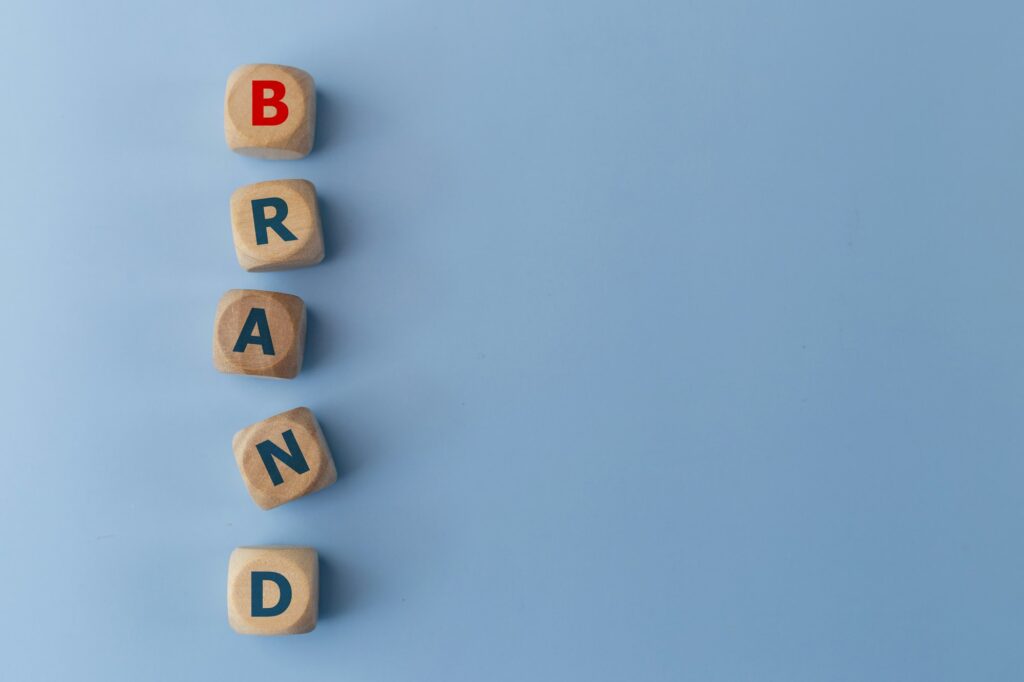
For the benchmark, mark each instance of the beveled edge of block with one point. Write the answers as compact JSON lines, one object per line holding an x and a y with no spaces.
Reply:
{"x":315,"y":247}
{"x":293,"y":304}
{"x":303,"y":554}
{"x":328,"y":472}
{"x":235,"y":138}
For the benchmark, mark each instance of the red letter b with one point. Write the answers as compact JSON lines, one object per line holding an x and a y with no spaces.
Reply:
{"x":260,"y":102}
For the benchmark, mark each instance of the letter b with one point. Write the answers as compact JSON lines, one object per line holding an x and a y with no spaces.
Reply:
{"x":261,"y":101}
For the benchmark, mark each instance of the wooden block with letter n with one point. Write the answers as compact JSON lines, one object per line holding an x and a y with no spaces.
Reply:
{"x":273,"y":590}
{"x":260,"y":333}
{"x":284,"y":458}
{"x":270,"y":111}
{"x":276,"y":225}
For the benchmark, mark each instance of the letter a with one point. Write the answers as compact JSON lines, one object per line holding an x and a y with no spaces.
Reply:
{"x":260,"y":102}
{"x":255,"y":322}
{"x":275,"y":223}
{"x":285,"y":587}
{"x":293,"y":458}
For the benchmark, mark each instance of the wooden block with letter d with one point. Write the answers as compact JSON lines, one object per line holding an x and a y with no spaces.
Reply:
{"x":273,"y":590}
{"x":270,"y":111}
{"x":276,"y":225}
{"x":284,"y":458}
{"x":261,"y":333}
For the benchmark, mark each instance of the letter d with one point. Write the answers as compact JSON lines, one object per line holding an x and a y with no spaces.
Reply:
{"x":285,"y":587}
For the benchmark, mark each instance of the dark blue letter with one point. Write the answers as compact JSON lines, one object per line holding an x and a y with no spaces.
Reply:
{"x":293,"y":458}
{"x":258,"y":609}
{"x":257,"y":321}
{"x":262,"y":222}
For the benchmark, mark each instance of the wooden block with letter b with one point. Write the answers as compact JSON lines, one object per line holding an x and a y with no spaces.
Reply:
{"x":270,"y":111}
{"x":284,"y":458}
{"x":276,"y":225}
{"x":273,"y":590}
{"x":261,"y":333}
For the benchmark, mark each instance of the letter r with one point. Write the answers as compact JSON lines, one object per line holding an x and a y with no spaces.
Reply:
{"x":275,"y":222}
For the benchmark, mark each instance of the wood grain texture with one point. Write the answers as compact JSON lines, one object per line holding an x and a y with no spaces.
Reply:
{"x":290,"y":139}
{"x":304,"y":439}
{"x":299,"y":567}
{"x":259,"y":333}
{"x":298,"y":242}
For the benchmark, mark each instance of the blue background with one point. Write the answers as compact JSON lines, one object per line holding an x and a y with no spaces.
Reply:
{"x":656,"y":340}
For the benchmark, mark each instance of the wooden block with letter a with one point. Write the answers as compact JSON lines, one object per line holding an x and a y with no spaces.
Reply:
{"x":260,"y":333}
{"x":276,"y":225}
{"x":284,"y":458}
{"x":270,"y":111}
{"x":273,"y":590}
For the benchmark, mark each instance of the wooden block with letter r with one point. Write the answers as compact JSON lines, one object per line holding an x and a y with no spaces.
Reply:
{"x":276,"y":225}
{"x":261,"y":333}
{"x":270,"y":111}
{"x":273,"y":590}
{"x":284,"y":458}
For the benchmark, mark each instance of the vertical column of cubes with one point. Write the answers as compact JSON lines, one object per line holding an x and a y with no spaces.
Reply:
{"x":270,"y":113}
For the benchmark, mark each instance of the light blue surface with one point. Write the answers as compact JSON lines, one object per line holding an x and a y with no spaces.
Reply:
{"x":655,"y":341}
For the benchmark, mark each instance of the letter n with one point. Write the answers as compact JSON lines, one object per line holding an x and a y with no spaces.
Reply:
{"x":293,"y":458}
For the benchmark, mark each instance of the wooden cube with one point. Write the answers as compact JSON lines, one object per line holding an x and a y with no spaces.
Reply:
{"x":284,"y":458}
{"x":270,"y":111}
{"x":261,"y":333}
{"x":276,"y":225}
{"x":273,"y":590}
